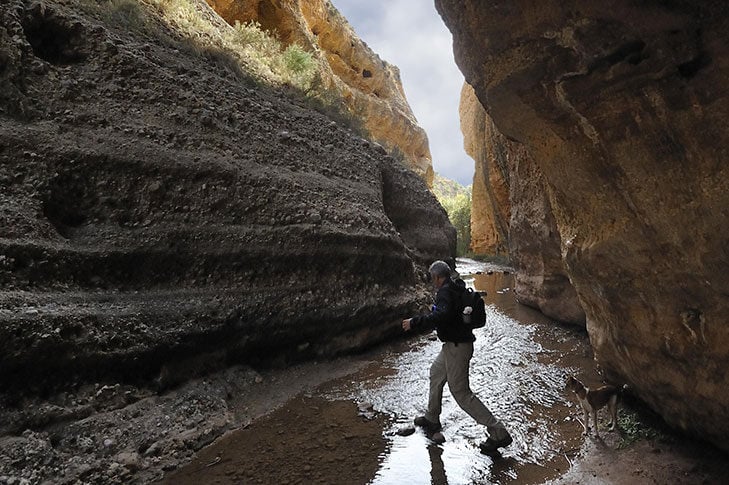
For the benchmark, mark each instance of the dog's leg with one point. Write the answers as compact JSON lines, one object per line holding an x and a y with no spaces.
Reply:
{"x":594,"y":420}
{"x":586,"y":421}
{"x":613,"y":408}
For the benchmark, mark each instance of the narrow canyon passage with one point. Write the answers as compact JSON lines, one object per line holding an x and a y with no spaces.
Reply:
{"x":210,"y":208}
{"x":520,"y":362}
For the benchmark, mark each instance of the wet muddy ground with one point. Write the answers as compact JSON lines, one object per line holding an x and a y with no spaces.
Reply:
{"x":346,"y":430}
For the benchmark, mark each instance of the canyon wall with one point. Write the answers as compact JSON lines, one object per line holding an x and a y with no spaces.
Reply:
{"x":370,"y":87}
{"x":511,"y":214}
{"x":156,"y":206}
{"x":490,"y":207}
{"x":621,"y":105}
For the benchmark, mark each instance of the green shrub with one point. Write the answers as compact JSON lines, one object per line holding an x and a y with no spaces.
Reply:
{"x":634,"y":427}
{"x":300,"y":66}
{"x":459,"y":213}
{"x":456,"y":200}
{"x":291,"y":65}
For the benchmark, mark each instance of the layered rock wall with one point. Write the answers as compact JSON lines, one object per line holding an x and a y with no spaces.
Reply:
{"x":370,"y":87}
{"x":622,"y":107}
{"x":155,"y":207}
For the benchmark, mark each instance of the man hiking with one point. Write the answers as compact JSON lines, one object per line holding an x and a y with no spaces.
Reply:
{"x":453,"y":361}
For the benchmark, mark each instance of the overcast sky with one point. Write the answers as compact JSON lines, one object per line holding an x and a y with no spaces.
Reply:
{"x":411,"y":35}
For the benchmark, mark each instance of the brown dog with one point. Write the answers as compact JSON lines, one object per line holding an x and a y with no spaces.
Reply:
{"x":592,"y":400}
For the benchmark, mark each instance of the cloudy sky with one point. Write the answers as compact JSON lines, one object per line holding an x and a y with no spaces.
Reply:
{"x":411,"y":35}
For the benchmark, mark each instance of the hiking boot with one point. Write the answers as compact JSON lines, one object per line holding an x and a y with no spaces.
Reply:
{"x":492,"y":446}
{"x":428,"y":426}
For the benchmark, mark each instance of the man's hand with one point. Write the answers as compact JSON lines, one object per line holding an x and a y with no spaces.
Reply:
{"x":406,"y":325}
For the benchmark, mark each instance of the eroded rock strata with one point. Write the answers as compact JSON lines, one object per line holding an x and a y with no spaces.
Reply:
{"x":622,"y":107}
{"x":163,"y":217}
{"x":155,"y":207}
{"x":370,"y":87}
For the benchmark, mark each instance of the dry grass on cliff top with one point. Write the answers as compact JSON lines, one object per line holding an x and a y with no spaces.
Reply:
{"x":254,"y":52}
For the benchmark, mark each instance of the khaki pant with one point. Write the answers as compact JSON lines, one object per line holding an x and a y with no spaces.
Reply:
{"x":451,"y":366}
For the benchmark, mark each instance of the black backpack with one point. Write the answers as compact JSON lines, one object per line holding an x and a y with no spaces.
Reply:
{"x":470,"y":298}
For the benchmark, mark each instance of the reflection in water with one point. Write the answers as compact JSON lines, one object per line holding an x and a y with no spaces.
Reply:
{"x":437,"y":470}
{"x":516,"y":371}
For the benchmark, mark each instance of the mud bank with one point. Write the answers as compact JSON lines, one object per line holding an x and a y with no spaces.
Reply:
{"x":123,"y":434}
{"x":309,"y":440}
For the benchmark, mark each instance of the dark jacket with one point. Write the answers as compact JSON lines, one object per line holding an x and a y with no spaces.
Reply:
{"x":446,"y":316}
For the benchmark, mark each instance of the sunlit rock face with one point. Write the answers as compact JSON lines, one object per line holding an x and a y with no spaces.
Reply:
{"x":370,"y":86}
{"x":623,"y":107}
{"x":490,"y":194}
{"x":511,"y":213}
{"x":155,"y":207}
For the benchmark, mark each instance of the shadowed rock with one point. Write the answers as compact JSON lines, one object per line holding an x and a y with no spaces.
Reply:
{"x":622,"y":108}
{"x":512,"y":214}
{"x":162,"y":218}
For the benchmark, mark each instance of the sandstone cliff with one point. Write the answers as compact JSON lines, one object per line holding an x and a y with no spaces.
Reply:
{"x":622,"y":107}
{"x":511,"y":213}
{"x":370,"y":87}
{"x":491,"y":209}
{"x":155,"y":206}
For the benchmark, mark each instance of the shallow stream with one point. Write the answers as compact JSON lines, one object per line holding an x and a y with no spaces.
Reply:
{"x":518,"y":370}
